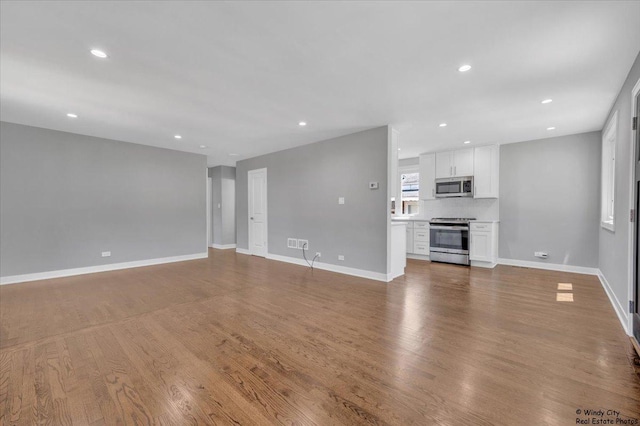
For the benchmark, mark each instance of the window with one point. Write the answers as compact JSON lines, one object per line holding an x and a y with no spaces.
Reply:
{"x":609,"y":136}
{"x":409,"y":194}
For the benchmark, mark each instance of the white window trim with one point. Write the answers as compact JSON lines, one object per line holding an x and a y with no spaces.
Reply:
{"x":608,"y":189}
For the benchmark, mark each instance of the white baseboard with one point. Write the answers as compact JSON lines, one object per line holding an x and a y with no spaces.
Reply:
{"x":617,"y":306}
{"x":223,"y":246}
{"x":549,"y":266}
{"x":378,"y":276}
{"x":480,"y":264}
{"x":13,"y":279}
{"x":417,"y":256}
{"x":242,"y":251}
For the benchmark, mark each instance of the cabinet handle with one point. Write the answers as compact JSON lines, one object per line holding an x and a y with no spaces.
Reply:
{"x":433,"y":192}
{"x":454,"y":170}
{"x":450,"y":170}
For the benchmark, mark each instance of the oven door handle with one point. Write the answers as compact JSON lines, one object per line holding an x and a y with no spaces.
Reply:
{"x":450,"y":228}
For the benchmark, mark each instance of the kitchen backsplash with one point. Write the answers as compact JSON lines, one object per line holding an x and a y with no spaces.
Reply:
{"x":482,"y":209}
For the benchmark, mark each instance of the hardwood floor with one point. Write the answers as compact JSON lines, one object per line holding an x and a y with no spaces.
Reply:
{"x":244,"y":340}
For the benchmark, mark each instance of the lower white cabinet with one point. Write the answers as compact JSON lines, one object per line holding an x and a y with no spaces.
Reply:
{"x":421,"y":238}
{"x":418,"y":237}
{"x":483,"y":244}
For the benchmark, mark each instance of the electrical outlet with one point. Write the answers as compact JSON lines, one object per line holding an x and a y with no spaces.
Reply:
{"x":541,"y":254}
{"x":318,"y":254}
{"x":340,"y":257}
{"x":106,"y":254}
{"x":292,"y":243}
{"x":303,"y":244}
{"x":341,"y":200}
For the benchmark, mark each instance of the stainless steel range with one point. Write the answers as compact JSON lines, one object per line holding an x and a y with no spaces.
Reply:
{"x":449,"y":240}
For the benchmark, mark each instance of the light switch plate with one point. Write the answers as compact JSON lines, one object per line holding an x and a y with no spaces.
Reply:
{"x":341,"y":200}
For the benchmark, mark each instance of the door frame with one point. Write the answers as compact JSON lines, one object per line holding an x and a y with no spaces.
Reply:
{"x":632,"y":205}
{"x":266,"y":212}
{"x":209,"y":212}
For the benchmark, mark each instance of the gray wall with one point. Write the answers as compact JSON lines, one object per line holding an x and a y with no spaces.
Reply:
{"x":303,"y":186}
{"x":223,"y":201}
{"x":550,"y":199}
{"x":614,"y":246}
{"x":413,"y":161}
{"x":65,"y":198}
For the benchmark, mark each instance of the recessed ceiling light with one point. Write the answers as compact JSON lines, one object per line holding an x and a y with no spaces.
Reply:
{"x":443,"y":124}
{"x":467,"y":142}
{"x":178,"y":137}
{"x":547,"y":101}
{"x":233,"y":155}
{"x":302,"y":123}
{"x":464,"y":68}
{"x":551,"y":128}
{"x":203,"y":146}
{"x":98,"y":53}
{"x":398,"y":149}
{"x":72,"y":115}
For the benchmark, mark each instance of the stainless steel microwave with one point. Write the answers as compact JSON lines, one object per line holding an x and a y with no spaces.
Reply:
{"x":454,"y":187}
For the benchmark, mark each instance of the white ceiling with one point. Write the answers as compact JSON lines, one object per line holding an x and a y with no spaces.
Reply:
{"x":237,"y":77}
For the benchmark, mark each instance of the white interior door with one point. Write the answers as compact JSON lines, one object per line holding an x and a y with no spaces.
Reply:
{"x":258,"y":212}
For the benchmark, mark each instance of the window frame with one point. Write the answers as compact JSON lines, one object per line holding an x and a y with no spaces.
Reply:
{"x":608,"y":177}
{"x":403,"y":170}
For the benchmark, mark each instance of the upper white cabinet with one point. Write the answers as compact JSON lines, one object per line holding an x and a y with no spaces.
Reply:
{"x":486,"y":171}
{"x":444,"y":167}
{"x":463,"y":162}
{"x":454,"y":163}
{"x":427,"y":177}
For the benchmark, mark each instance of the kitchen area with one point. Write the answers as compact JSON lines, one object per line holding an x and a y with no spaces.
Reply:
{"x":450,"y":203}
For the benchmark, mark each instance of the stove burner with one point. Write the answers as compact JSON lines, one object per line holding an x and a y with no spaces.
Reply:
{"x":452,"y":219}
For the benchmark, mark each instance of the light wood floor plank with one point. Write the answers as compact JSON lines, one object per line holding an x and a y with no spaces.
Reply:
{"x":235,"y":339}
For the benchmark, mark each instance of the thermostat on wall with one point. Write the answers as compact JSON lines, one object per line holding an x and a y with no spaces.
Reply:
{"x":373,"y":185}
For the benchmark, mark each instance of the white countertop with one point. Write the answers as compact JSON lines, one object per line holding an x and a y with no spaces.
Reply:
{"x":424,"y":219}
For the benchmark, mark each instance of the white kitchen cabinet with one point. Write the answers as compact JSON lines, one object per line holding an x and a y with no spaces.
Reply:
{"x":486,"y":171}
{"x":483,"y":244}
{"x":421,"y":238}
{"x":463,"y":162}
{"x":454,"y":163}
{"x":444,"y":164}
{"x":427,"y":177}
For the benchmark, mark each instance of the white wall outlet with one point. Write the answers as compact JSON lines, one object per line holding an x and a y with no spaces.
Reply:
{"x":292,"y":243}
{"x":219,"y":205}
{"x":106,"y":254}
{"x":340,"y":257}
{"x":318,"y":254}
{"x":303,"y":243}
{"x":341,"y":200}
{"x":373,"y":185}
{"x":541,"y":254}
